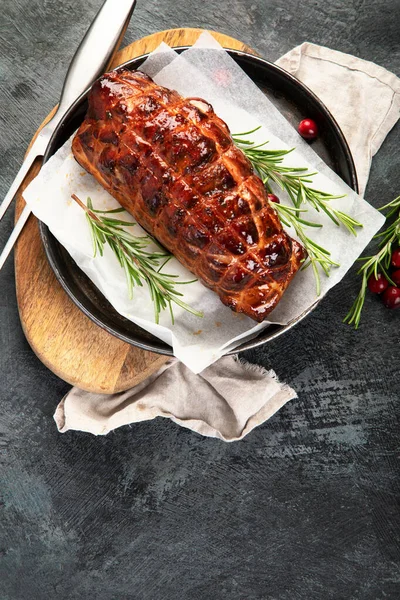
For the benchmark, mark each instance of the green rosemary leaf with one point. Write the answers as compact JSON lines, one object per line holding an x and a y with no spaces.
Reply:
{"x":299,"y":197}
{"x":329,"y":212}
{"x":116,"y":222}
{"x":309,"y":223}
{"x":248,"y":132}
{"x":94,"y":242}
{"x":393,"y":205}
{"x":317,"y":277}
{"x":107,"y":212}
{"x":253,"y":148}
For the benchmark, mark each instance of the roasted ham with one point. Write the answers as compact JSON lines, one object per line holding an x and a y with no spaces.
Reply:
{"x":171,"y":162}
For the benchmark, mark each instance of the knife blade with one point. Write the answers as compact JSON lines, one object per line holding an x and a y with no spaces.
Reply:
{"x":91,"y":59}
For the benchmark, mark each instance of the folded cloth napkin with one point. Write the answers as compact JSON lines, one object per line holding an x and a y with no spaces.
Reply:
{"x":363,"y":97}
{"x":226,"y":400}
{"x":229,"y":398}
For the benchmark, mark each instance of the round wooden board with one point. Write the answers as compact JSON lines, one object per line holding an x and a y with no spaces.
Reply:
{"x":64,"y":339}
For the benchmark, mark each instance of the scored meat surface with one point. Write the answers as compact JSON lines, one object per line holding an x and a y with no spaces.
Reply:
{"x":171,"y":162}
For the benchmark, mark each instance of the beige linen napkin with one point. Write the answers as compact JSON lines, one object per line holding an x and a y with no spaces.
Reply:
{"x":229,"y":398}
{"x":363,"y":97}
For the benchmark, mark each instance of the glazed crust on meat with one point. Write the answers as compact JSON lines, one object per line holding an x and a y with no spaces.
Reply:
{"x":171,"y":163}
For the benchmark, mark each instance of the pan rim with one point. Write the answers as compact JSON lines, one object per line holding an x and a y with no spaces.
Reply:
{"x":158,"y":346}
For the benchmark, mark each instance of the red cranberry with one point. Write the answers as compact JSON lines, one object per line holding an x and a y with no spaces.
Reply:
{"x":379,"y":285}
{"x":391,"y":297}
{"x":396,"y":258}
{"x":308,"y":129}
{"x":273,"y":198}
{"x":395,"y":276}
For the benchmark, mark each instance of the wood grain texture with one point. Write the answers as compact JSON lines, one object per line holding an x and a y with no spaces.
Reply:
{"x":64,"y":339}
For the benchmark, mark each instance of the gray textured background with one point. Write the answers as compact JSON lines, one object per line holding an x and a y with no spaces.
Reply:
{"x":306,"y":506}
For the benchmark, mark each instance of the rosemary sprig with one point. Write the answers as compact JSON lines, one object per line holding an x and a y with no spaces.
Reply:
{"x":139,"y":264}
{"x":317,"y":255}
{"x":379,"y":262}
{"x":296,"y":181}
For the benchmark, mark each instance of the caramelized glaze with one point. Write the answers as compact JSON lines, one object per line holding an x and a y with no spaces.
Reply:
{"x":171,"y":163}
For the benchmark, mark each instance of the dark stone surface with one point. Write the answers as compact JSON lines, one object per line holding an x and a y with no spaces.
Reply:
{"x":306,"y":507}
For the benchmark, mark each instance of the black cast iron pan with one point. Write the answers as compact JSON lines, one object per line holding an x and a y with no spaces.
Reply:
{"x":293,"y":99}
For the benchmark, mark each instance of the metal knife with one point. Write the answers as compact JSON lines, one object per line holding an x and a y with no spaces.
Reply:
{"x":91,"y":59}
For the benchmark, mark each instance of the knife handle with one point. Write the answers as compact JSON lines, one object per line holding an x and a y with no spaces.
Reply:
{"x":96,"y":50}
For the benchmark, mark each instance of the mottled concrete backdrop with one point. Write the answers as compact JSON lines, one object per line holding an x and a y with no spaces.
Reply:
{"x":306,"y":507}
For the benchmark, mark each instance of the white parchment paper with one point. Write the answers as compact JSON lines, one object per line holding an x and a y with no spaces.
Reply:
{"x":205,"y":71}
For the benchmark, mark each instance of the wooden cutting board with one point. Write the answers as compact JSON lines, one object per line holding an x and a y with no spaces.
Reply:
{"x":64,"y":339}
